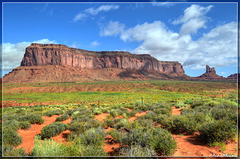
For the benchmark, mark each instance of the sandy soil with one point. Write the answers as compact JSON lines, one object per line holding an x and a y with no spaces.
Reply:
{"x":101,"y":117}
{"x":136,"y":115}
{"x":29,"y":134}
{"x":176,"y":111}
{"x":188,"y":145}
{"x":110,"y":145}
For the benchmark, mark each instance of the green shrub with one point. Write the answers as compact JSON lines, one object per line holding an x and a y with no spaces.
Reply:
{"x":10,"y":137}
{"x":137,"y":150}
{"x":24,"y":125}
{"x":93,"y":136}
{"x":144,"y":123}
{"x":96,"y":111}
{"x":163,"y":142}
{"x":218,"y":131}
{"x":122,"y":123}
{"x":69,"y":112}
{"x":162,"y":119}
{"x":53,"y":112}
{"x":181,"y":104}
{"x":32,"y":118}
{"x":51,"y":148}
{"x":11,"y":151}
{"x":63,"y":117}
{"x":188,"y":101}
{"x":108,"y":123}
{"x":93,"y":150}
{"x":53,"y":129}
{"x":11,"y":124}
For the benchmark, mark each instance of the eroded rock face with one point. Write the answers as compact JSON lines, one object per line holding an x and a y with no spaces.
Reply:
{"x":56,"y":54}
{"x":233,"y":77}
{"x":210,"y":74}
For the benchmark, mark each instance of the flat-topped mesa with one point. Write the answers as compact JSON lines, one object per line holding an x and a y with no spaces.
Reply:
{"x":57,"y":54}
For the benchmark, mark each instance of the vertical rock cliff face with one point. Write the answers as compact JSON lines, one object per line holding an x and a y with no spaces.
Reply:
{"x":55,"y":54}
{"x":210,"y":74}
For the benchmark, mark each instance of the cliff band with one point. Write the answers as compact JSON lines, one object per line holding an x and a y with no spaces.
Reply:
{"x":55,"y":54}
{"x":59,"y":63}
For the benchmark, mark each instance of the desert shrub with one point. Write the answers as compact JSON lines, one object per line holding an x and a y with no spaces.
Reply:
{"x":163,"y":142}
{"x":181,"y":104}
{"x":53,"y":129}
{"x":197,"y":103}
{"x":188,"y":101}
{"x":11,"y":151}
{"x":11,"y":124}
{"x":218,"y":131}
{"x":122,"y":123}
{"x":77,"y":126}
{"x":93,"y":150}
{"x":114,"y":113}
{"x":62,"y":118}
{"x":53,"y":112}
{"x":108,"y":123}
{"x":97,"y":111}
{"x":10,"y":137}
{"x":145,"y":123}
{"x":162,"y":119}
{"x":137,"y":150}
{"x":91,"y":123}
{"x":32,"y":118}
{"x":93,"y":136}
{"x":162,"y":111}
{"x":159,"y":139}
{"x":181,"y":124}
{"x":24,"y":125}
{"x":132,"y":113}
{"x":69,"y":112}
{"x":225,"y":112}
{"x":49,"y":147}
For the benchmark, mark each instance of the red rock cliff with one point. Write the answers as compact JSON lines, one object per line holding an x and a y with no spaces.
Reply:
{"x":56,"y":54}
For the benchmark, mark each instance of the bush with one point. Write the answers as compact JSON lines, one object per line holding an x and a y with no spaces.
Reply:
{"x":137,"y":150}
{"x":162,"y":119}
{"x":53,"y":112}
{"x":218,"y":131}
{"x":163,"y":142}
{"x":96,"y":111}
{"x":10,"y":137}
{"x":108,"y":123}
{"x":32,"y":118}
{"x":51,"y":148}
{"x":93,"y":136}
{"x":11,"y":124}
{"x":24,"y":125}
{"x":10,"y":151}
{"x":181,"y":124}
{"x":63,"y":117}
{"x":93,"y":150}
{"x":69,"y":112}
{"x":53,"y":129}
{"x":122,"y":123}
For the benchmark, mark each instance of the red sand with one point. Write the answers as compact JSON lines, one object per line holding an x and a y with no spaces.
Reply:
{"x":29,"y":134}
{"x":188,"y":145}
{"x":135,"y":117}
{"x":101,"y":117}
{"x":176,"y":111}
{"x":110,"y":144}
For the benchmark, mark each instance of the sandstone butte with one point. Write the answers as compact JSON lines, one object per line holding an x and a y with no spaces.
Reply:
{"x":59,"y":63}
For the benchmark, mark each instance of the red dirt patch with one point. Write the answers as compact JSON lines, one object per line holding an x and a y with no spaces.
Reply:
{"x":119,"y":117}
{"x":176,"y":111}
{"x":101,"y":117}
{"x":29,"y":134}
{"x":136,"y":115}
{"x":62,"y":137}
{"x":108,"y":129}
{"x":129,"y":109}
{"x":110,"y":145}
{"x":189,"y":146}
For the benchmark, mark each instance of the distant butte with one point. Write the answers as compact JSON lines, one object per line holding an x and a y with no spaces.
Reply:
{"x":59,"y":63}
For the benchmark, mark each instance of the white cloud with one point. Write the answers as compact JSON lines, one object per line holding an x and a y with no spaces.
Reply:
{"x":94,"y":11}
{"x":112,"y":29}
{"x":13,"y":53}
{"x":193,"y":19}
{"x":95,"y":43}
{"x":163,"y":4}
{"x":216,"y":48}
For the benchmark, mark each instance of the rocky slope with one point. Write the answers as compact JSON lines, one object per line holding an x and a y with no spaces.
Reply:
{"x":233,"y":77}
{"x":59,"y":63}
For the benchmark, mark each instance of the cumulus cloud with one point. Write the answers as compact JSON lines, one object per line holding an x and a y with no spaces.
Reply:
{"x":95,"y":43}
{"x":215,"y":48}
{"x":193,"y":19}
{"x":94,"y":11}
{"x":12,"y":54}
{"x":112,"y":29}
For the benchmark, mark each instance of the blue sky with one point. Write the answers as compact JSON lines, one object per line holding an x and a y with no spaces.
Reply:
{"x":195,"y":34}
